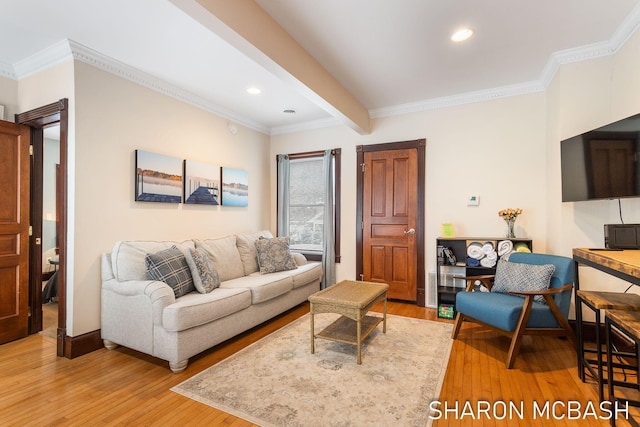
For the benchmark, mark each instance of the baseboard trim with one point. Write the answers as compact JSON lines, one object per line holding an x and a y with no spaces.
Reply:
{"x":82,"y":344}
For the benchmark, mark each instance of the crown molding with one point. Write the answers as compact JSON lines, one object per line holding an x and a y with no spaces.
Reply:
{"x":7,"y":71}
{"x":53,"y":55}
{"x":120,"y":69}
{"x":583,"y":53}
{"x":626,"y":29}
{"x":464,"y":98}
{"x":68,"y":49}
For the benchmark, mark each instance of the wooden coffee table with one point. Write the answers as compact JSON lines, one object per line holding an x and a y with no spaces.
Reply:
{"x":352,"y":300}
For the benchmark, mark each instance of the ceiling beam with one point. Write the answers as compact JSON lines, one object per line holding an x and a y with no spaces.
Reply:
{"x":251,"y":30}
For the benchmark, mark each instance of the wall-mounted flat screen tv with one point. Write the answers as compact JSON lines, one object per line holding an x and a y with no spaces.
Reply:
{"x":602,"y":163}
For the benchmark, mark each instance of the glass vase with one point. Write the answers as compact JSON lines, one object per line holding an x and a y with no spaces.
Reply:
{"x":511,"y":223}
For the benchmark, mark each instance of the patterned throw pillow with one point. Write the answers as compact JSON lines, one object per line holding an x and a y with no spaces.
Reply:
{"x":274,"y":255}
{"x":205,"y":276}
{"x":170,"y":266}
{"x":515,"y":276}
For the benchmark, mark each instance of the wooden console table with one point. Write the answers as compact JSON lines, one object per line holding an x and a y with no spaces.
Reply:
{"x":624,"y":265}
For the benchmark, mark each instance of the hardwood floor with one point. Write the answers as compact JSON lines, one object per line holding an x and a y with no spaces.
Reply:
{"x":124,"y":387}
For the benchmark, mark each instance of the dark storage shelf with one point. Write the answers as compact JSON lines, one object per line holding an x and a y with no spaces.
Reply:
{"x":446,"y":295}
{"x":449,"y":290}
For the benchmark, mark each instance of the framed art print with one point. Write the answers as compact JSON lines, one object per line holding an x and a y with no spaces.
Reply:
{"x":201,"y":183}
{"x":235,"y":187}
{"x":158,"y":178}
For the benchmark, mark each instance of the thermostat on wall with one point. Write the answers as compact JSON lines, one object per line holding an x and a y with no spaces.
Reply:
{"x":473,"y":200}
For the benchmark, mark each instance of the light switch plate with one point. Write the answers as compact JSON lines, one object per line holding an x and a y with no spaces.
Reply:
{"x":473,"y":200}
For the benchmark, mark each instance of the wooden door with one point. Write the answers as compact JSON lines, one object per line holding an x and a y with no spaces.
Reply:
{"x":390,"y":201}
{"x":14,"y":231}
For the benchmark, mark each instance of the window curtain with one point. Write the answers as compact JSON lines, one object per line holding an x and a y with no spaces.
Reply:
{"x":328,"y":219}
{"x":284,"y":176}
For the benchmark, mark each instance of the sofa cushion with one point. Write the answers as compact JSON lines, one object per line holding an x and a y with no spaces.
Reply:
{"x":197,"y":309}
{"x":505,"y":310}
{"x":515,"y":276}
{"x":225,"y":256}
{"x":170,"y":266}
{"x":247,"y":247}
{"x":128,"y":258}
{"x":263,"y":287}
{"x":301,"y":276}
{"x":205,"y":277}
{"x":306,"y":273}
{"x":274,"y":255}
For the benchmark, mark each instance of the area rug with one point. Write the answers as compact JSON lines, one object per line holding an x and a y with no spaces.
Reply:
{"x":278,"y":382}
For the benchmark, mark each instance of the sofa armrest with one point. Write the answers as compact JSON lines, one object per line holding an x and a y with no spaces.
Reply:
{"x":131,"y":310}
{"x":106,"y":269}
{"x":156,"y":291}
{"x":299,"y":258}
{"x":138,"y":296}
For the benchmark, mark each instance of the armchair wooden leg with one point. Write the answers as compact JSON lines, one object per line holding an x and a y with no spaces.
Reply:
{"x":516,"y":338}
{"x":457,"y":325}
{"x":562,"y":321}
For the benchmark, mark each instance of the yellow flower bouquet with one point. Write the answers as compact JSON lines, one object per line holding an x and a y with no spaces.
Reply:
{"x":510,"y":215}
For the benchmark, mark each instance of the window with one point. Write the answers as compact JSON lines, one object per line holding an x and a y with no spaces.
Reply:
{"x":301,"y":216}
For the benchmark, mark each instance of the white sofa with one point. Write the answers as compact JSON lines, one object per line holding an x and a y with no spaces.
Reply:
{"x":145,"y":315}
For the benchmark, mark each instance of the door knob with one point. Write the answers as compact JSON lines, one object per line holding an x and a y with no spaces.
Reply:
{"x":409,"y":231}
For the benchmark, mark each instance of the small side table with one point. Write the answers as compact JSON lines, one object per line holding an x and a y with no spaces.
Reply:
{"x":596,"y":301}
{"x":628,"y":323}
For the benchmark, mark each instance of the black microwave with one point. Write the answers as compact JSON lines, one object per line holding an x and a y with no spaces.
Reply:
{"x":622,"y":236}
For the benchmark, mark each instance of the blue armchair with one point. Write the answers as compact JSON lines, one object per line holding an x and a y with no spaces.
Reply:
{"x":517,"y":313}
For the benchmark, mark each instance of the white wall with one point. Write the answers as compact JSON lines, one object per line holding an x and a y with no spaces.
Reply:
{"x":493,"y":149}
{"x":9,"y":98}
{"x":584,"y":96}
{"x":507,"y":151}
{"x":41,"y":89}
{"x":114,"y":117}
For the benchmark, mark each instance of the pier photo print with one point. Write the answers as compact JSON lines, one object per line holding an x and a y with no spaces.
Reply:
{"x":158,"y":178}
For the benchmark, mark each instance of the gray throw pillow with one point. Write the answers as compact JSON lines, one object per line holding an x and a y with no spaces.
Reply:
{"x":170,"y":266}
{"x":515,"y":276}
{"x":274,"y":255}
{"x":205,"y":276}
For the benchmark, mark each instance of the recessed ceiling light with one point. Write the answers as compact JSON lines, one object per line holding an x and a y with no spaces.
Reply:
{"x":254,"y":90}
{"x":462,"y":34}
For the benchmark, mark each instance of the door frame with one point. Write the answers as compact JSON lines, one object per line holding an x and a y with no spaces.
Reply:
{"x":420,"y":146}
{"x":38,"y":119}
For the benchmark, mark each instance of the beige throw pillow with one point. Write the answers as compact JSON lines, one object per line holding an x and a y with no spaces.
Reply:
{"x":224,"y":254}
